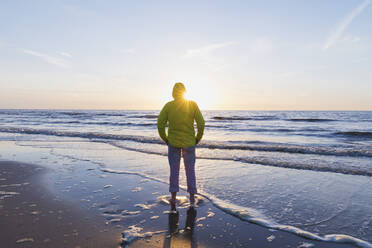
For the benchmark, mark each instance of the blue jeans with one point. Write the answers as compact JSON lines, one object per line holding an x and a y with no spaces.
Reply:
{"x":174,"y":158}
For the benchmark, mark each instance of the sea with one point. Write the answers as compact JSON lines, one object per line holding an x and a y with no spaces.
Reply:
{"x":305,"y":172}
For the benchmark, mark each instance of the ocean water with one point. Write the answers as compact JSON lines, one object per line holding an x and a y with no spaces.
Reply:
{"x":305,"y":172}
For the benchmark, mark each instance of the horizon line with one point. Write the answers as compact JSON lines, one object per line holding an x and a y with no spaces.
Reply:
{"x":89,"y":109}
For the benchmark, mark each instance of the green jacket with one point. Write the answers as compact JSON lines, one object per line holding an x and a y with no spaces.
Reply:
{"x":180,"y":115}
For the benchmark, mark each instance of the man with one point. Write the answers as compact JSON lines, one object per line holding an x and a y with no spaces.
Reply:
{"x":181,"y":140}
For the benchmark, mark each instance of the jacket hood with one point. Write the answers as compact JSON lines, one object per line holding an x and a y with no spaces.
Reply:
{"x":179,"y":90}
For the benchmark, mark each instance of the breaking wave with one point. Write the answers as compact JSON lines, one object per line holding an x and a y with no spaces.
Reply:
{"x":248,"y":146}
{"x":310,"y":120}
{"x":355,"y":134}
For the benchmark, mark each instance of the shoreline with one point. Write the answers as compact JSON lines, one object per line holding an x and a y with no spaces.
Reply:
{"x":102,"y":205}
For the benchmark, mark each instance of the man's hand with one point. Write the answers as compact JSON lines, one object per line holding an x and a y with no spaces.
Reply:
{"x":166,"y":142}
{"x":197,"y":141}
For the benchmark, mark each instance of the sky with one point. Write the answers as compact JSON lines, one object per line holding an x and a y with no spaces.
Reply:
{"x":246,"y":55}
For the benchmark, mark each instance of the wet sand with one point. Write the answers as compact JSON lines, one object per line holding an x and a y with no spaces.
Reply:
{"x":79,"y":205}
{"x":31,"y":216}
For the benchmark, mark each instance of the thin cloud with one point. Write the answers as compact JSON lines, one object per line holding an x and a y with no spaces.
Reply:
{"x":335,"y":35}
{"x":64,"y":54}
{"x":205,"y":50}
{"x":49,"y":59}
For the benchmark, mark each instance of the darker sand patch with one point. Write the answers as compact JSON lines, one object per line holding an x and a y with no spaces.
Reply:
{"x":30,"y":216}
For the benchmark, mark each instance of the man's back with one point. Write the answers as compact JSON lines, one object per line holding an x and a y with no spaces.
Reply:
{"x":180,"y":115}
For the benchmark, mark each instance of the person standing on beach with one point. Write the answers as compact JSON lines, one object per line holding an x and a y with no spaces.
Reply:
{"x":180,"y":114}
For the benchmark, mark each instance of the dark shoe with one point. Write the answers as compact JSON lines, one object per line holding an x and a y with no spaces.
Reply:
{"x":173,"y":205}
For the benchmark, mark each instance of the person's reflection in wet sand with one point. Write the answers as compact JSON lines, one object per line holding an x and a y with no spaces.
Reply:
{"x":185,"y":237}
{"x":189,"y":227}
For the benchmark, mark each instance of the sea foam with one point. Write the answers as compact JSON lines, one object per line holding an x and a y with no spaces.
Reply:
{"x":246,"y":214}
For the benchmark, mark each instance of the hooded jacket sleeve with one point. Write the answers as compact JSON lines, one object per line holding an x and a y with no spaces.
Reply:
{"x":162,"y":121}
{"x":199,"y":123}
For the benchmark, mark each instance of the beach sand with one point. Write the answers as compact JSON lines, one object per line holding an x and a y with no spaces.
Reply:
{"x":31,"y":216}
{"x":82,"y":206}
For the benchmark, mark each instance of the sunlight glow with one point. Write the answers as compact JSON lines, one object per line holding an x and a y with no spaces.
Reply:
{"x":204,"y":95}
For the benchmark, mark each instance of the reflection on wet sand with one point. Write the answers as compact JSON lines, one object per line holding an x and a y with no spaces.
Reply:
{"x":181,"y":238}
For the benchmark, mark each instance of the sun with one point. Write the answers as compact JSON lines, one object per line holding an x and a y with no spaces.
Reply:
{"x":203,"y":94}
